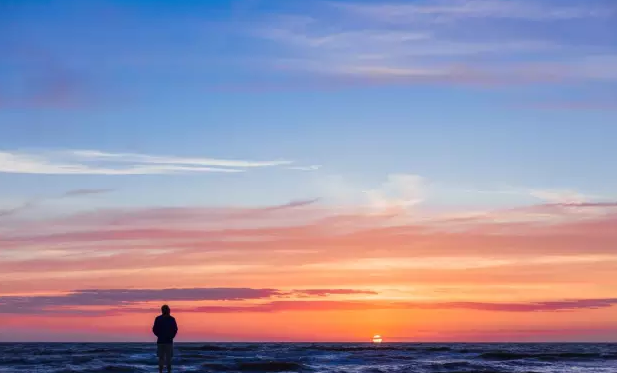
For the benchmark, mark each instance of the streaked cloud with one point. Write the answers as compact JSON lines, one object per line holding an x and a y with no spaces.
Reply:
{"x":453,"y":10}
{"x":600,"y":105}
{"x":15,"y":210}
{"x":305,"y":239}
{"x":84,"y":192}
{"x":328,"y":292}
{"x":36,"y":201}
{"x":386,"y":251}
{"x":305,"y":168}
{"x":560,"y":196}
{"x":89,"y":162}
{"x":130,"y":297}
{"x":169,"y":160}
{"x":481,"y":42}
{"x":329,"y":305}
{"x":118,"y":301}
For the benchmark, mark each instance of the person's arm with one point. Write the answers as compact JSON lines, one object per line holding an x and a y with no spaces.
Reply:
{"x":174,"y":329}
{"x":156,"y":328}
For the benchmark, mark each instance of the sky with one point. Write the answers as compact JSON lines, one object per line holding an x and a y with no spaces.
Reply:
{"x":426,"y":170}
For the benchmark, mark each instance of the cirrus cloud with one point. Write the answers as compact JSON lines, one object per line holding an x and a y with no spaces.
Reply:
{"x":93,"y":162}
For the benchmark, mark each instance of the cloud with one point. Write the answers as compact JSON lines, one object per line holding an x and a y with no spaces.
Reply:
{"x":36,"y":201}
{"x":548,"y":306}
{"x":560,"y":196}
{"x":482,"y":42}
{"x":331,"y":305}
{"x":18,"y":209}
{"x":305,"y":168}
{"x":85,"y":192}
{"x":302,"y":239}
{"x":328,"y":292}
{"x":384,"y":237}
{"x":454,"y":10}
{"x":169,"y":160}
{"x":397,"y":195}
{"x":118,"y":301}
{"x":292,"y":204}
{"x":580,"y":105}
{"x":126,"y":297}
{"x":114,"y":298}
{"x":89,"y":162}
{"x":400,"y":191}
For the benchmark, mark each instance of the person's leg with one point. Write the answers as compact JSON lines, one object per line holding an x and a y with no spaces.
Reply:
{"x":170,"y":354}
{"x":160,"y":353}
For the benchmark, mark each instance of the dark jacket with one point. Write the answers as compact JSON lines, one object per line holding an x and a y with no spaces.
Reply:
{"x":165,"y":328}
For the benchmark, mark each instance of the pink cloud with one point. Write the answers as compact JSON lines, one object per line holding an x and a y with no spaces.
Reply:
{"x":330,"y":305}
{"x":176,"y":237}
{"x":120,"y":300}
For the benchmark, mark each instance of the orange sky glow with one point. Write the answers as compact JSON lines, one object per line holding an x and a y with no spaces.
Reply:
{"x":305,"y":272}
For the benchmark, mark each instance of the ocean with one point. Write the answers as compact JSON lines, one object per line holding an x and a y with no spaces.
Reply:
{"x":311,"y":357}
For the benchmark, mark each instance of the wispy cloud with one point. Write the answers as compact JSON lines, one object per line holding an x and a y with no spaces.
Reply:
{"x":305,"y":168}
{"x":85,"y":192}
{"x":322,"y":240}
{"x":118,"y":301}
{"x":387,"y":236}
{"x":36,"y":201}
{"x":169,"y":160}
{"x":115,"y":298}
{"x":452,"y":10}
{"x":328,"y":292}
{"x":399,"y":193}
{"x":560,"y":196}
{"x":286,"y":306}
{"x":580,"y":105}
{"x":331,"y":305}
{"x":90,"y":162}
{"x":15,"y":210}
{"x":449,"y":42}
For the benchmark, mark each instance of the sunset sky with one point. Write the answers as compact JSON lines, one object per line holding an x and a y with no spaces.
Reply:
{"x":294,"y":170}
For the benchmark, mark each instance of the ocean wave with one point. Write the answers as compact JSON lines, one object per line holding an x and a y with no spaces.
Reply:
{"x":270,"y":366}
{"x":438,"y":349}
{"x":216,"y":367}
{"x":256,"y":366}
{"x":119,"y":368}
{"x":211,"y":347}
{"x":362,"y":348}
{"x":454,"y":365}
{"x":507,"y":355}
{"x":202,"y":348}
{"x":11,"y":360}
{"x":372,"y":370}
{"x":310,"y":357}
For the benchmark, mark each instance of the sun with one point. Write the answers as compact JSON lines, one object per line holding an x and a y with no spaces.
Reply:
{"x":377,"y":339}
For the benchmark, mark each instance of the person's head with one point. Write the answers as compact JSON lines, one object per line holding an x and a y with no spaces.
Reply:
{"x":165,"y":310}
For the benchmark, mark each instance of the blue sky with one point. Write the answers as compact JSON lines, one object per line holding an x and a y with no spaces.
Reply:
{"x":490,"y":102}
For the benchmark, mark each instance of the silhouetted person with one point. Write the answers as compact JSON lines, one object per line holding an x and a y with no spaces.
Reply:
{"x":165,"y":328}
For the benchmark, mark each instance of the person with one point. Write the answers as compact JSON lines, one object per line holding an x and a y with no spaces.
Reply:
{"x":165,"y":329}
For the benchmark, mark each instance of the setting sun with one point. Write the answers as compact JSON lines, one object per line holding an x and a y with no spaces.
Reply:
{"x":377,"y":338}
